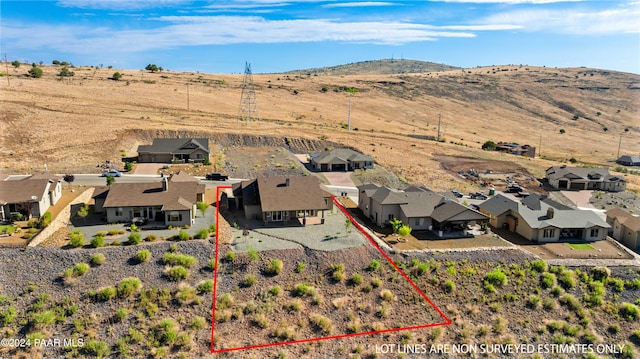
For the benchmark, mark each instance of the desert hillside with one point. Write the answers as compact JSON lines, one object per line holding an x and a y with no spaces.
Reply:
{"x":72,"y":123}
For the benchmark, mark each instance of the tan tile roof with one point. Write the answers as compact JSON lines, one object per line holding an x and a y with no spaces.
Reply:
{"x":627,"y":219}
{"x":22,"y":190}
{"x":180,"y":195}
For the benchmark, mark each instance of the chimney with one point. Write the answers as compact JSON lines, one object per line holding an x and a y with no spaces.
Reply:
{"x":165,"y":184}
{"x":287,"y":182}
{"x":549,"y":212}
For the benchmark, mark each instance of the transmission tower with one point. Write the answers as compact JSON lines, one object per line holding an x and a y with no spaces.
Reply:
{"x":248,"y":106}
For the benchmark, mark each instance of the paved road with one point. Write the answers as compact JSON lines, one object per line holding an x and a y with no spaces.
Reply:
{"x":96,"y":180}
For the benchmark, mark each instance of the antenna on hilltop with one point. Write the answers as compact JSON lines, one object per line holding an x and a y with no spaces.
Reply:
{"x":248,"y":106}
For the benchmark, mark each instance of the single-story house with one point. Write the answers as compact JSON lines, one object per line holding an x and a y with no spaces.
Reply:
{"x":171,"y":150}
{"x":579,"y":178}
{"x":625,"y":227}
{"x":30,"y":196}
{"x":171,"y":201}
{"x":542,"y":220}
{"x":516,"y":149}
{"x":629,"y":160}
{"x":340,"y":159}
{"x":419,"y":208}
{"x":282,"y":200}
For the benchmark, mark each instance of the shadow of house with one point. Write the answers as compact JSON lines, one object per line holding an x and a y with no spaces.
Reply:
{"x":296,"y":200}
{"x":542,"y":220}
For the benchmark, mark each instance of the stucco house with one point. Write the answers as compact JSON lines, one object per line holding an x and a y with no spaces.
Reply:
{"x":579,"y":178}
{"x":171,"y":150}
{"x":340,"y":159}
{"x":625,"y":227}
{"x":540,"y":219}
{"x":171,"y":201}
{"x":419,"y":208}
{"x":30,"y":196}
{"x":296,"y":200}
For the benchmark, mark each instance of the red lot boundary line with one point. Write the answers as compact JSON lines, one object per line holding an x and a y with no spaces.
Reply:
{"x":266,"y":345}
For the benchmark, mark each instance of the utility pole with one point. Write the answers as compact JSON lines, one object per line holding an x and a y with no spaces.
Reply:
{"x":540,"y":147}
{"x":439,"y":119}
{"x":619,"y":143}
{"x":248,"y":106}
{"x":187,"y":96}
{"x":6,"y":63}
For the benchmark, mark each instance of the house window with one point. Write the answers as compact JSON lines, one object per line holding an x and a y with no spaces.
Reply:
{"x":549,"y":233}
{"x":419,"y":221}
{"x":390,"y":217}
{"x":119,"y":212}
{"x":175,"y":217}
{"x":276,"y":216}
{"x":594,"y":232}
{"x":137,"y":212}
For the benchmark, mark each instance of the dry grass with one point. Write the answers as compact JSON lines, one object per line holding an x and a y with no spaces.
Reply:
{"x":45,"y":119}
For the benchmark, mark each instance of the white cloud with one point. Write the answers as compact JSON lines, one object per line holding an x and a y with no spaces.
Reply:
{"x":121,"y":4}
{"x":507,"y":1}
{"x":359,"y":4}
{"x":572,"y":21}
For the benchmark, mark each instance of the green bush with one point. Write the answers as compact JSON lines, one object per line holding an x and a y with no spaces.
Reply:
{"x":600,"y":273}
{"x":230,"y":256}
{"x":8,"y":316}
{"x":179,"y":259}
{"x":150,"y":238}
{"x":496,"y":277}
{"x":80,"y":269}
{"x":567,"y":278}
{"x":45,"y":220}
{"x":274,"y":267}
{"x":177,"y":273}
{"x":96,"y":348}
{"x":143,"y":255}
{"x":449,"y":286}
{"x":373,"y":266}
{"x":629,"y":311}
{"x":249,"y":280}
{"x":538,"y":265}
{"x":300,"y":267}
{"x":182,"y":236}
{"x":97,"y":259}
{"x":128,"y":286}
{"x":107,"y":293}
{"x":206,"y":286}
{"x":76,"y":238}
{"x":253,"y":254}
{"x":356,"y":279}
{"x":134,"y":238}
{"x":202,"y":234}
{"x":121,"y":313}
{"x":97,"y":241}
{"x":547,"y":280}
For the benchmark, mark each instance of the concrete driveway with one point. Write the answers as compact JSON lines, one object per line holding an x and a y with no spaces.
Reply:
{"x":339,"y":178}
{"x":147,"y":168}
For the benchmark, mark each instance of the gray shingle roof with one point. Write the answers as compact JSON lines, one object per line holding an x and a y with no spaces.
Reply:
{"x":627,"y":219}
{"x":175,"y":145}
{"x":302,"y":193}
{"x":588,"y":174}
{"x":23,"y":190}
{"x":341,"y":155}
{"x":498,"y":205}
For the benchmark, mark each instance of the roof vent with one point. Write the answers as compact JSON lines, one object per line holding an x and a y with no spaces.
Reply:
{"x":287,"y":182}
{"x":550,"y":213}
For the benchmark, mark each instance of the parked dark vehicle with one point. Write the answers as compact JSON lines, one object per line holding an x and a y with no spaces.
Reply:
{"x":216,"y":177}
{"x":458,"y":194}
{"x":514,"y":189}
{"x":478,"y":195}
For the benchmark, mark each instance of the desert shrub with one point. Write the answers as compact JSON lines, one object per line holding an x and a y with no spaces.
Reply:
{"x":177,"y":273}
{"x":300,"y":267}
{"x":337,"y":272}
{"x":533,"y":301}
{"x":373,"y":266}
{"x":538,"y":265}
{"x":206,"y":286}
{"x":449,"y":286}
{"x":356,"y":279}
{"x":134,"y":228}
{"x":275,"y":291}
{"x":616,"y":283}
{"x":226,"y":301}
{"x":134,"y":238}
{"x":249,"y":280}
{"x":121,"y":313}
{"x":166,"y":332}
{"x":186,"y":294}
{"x":197,"y":323}
{"x":182,"y":236}
{"x":7,"y":316}
{"x":230,"y":256}
{"x":567,"y":278}
{"x":76,"y":238}
{"x":629,"y":311}
{"x":303,"y":289}
{"x":376,"y":282}
{"x":386,"y":295}
{"x":547,"y":280}
{"x":80,"y":269}
{"x":107,"y":293}
{"x":202,"y":234}
{"x":128,"y":286}
{"x":570,"y":302}
{"x":96,"y":348}
{"x":97,"y":241}
{"x":150,"y":238}
{"x":496,"y":277}
{"x":321,"y":323}
{"x":143,"y":255}
{"x":600,"y":273}
{"x":253,"y":254}
{"x":274,"y":267}
{"x":45,"y":220}
{"x":179,"y":259}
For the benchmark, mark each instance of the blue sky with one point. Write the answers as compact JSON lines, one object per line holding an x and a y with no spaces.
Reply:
{"x":275,"y":36}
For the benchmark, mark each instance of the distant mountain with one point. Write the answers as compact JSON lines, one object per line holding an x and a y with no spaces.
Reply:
{"x":378,"y":67}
